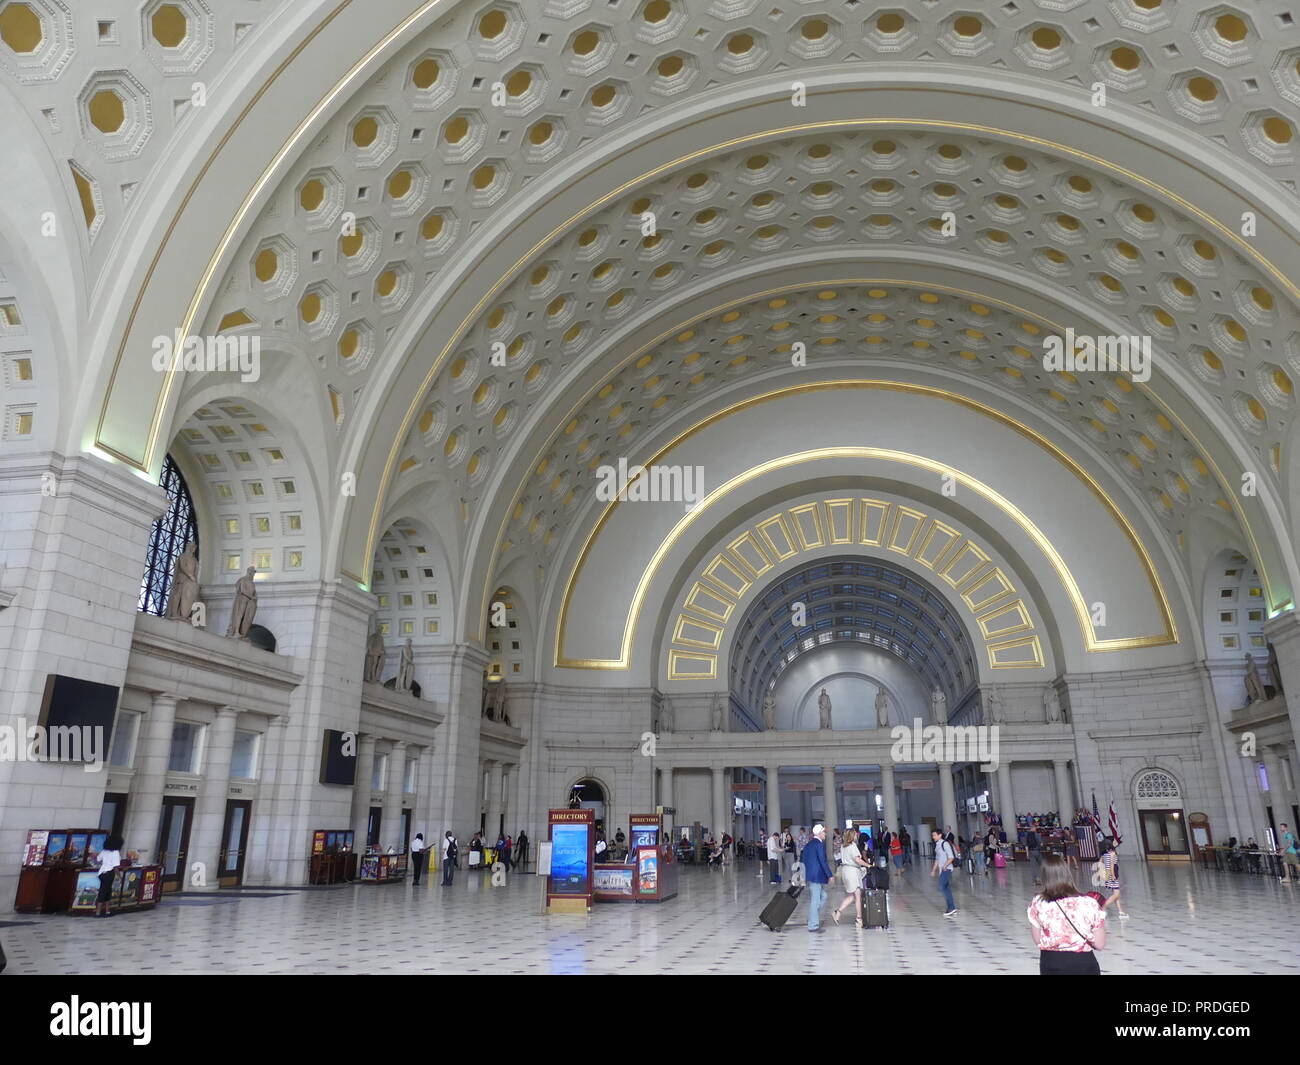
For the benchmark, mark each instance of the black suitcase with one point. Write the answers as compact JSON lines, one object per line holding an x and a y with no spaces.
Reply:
{"x":879,"y":878}
{"x":875,"y":910}
{"x":778,"y":911}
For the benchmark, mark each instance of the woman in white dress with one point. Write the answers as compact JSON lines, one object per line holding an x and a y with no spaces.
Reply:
{"x":851,"y":873}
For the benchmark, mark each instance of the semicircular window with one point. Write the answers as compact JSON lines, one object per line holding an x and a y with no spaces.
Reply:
{"x":167,"y":540}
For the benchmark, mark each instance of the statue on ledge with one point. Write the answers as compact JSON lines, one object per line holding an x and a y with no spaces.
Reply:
{"x":666,"y":715}
{"x":185,"y":584}
{"x":769,"y":712}
{"x":717,"y":713}
{"x":1052,"y":705}
{"x":824,"y":709}
{"x":374,"y":657}
{"x":994,"y":709}
{"x":1254,"y":685}
{"x":939,"y":707}
{"x":406,"y":667}
{"x":245,"y":608}
{"x":1275,"y":670}
{"x":882,"y":709}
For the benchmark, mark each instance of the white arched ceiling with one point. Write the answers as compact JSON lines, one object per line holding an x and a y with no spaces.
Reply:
{"x":852,"y":674}
{"x":409,"y":580}
{"x":254,"y":492}
{"x":390,"y":288}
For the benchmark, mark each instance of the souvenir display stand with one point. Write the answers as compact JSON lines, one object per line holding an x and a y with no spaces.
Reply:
{"x":53,"y":859}
{"x":333,"y":859}
{"x":383,"y":868}
{"x":135,"y":887}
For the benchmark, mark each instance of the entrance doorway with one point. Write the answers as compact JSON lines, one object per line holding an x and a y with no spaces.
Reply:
{"x":174,"y":840}
{"x":1164,"y":834}
{"x":234,"y":842}
{"x":589,"y":795}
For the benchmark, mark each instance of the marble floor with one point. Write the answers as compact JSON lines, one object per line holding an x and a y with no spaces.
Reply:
{"x":1184,"y":920}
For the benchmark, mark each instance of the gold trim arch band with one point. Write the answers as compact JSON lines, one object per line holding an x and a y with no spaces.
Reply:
{"x":1083,"y":617}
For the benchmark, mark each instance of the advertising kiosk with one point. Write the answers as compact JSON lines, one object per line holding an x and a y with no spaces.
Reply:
{"x":333,"y":858}
{"x":650,"y":872}
{"x":572,"y":835}
{"x":53,"y":861}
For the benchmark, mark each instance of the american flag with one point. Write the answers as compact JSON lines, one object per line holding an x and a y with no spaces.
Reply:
{"x":1096,"y":813}
{"x":1114,"y":823}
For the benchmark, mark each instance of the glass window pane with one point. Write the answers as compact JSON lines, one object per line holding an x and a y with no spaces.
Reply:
{"x":124,"y":738}
{"x":243,"y":760}
{"x":377,"y":774}
{"x":167,"y":540}
{"x":185,"y":748}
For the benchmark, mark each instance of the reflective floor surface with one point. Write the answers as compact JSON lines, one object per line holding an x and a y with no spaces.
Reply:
{"x":1184,"y":920}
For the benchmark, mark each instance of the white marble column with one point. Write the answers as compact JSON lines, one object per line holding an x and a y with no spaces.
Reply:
{"x":1283,"y":632}
{"x":361,"y":790}
{"x":890,"y":795}
{"x":494,"y":803}
{"x":265,"y":857}
{"x":144,"y":806}
{"x":773,"y":800}
{"x":1006,"y":801}
{"x":720,"y":815}
{"x":947,"y":799}
{"x":1064,"y":792}
{"x":1276,"y":796}
{"x":210,"y":803}
{"x":830,"y":807}
{"x":393,"y":791}
{"x":458,"y":671}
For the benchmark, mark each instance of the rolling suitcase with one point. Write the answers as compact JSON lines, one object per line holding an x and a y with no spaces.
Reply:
{"x":778,"y":911}
{"x":999,"y":861}
{"x":880,"y":878}
{"x":875,"y":910}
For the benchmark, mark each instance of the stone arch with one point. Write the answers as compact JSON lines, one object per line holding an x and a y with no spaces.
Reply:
{"x":410,"y":580}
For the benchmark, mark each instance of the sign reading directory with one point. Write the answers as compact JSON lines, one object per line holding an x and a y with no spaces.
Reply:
{"x":572,"y":836}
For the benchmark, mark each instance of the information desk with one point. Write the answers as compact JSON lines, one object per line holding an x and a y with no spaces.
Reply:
{"x":135,"y":887}
{"x":332,"y":868}
{"x":383,"y":868}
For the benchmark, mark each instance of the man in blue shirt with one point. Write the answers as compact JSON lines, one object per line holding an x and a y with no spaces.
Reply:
{"x":1290,"y":857}
{"x":817,"y":870}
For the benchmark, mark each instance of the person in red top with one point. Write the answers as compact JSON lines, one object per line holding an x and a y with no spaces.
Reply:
{"x":896,"y":851}
{"x":1068,"y":928}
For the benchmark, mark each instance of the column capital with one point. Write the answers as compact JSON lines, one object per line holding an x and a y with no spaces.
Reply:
{"x":229,"y":711}
{"x":163,"y":699}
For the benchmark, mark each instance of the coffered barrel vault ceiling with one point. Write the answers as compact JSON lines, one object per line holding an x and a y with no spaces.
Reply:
{"x":421,"y":227}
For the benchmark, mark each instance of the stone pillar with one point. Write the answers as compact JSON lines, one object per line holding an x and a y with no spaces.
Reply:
{"x":361,"y":790}
{"x":666,"y":788}
{"x":1276,"y":796}
{"x":719,"y":813}
{"x":263,"y":841}
{"x":1006,"y":801}
{"x":831,"y":807}
{"x":153,"y":748}
{"x":773,"y":800}
{"x":390,"y":829}
{"x":458,"y":670}
{"x":210,"y":803}
{"x":1064,"y":792}
{"x":1283,"y":632}
{"x":890,"y":796}
{"x":495,"y":771}
{"x":74,"y":532}
{"x":947,"y":799}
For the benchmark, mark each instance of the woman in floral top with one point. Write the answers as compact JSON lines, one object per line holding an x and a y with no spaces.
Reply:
{"x":1068,"y":927}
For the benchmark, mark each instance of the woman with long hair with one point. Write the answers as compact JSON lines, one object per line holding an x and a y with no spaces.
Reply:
{"x":1110,"y":870}
{"x":1068,"y":928}
{"x":851,"y":872}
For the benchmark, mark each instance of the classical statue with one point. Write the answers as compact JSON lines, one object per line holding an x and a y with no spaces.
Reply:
{"x":374,"y":657}
{"x":406,"y":667}
{"x":824,"y":708}
{"x":882,"y":709}
{"x":1275,"y":670}
{"x":1254,"y":685}
{"x":994,"y":709}
{"x":666,"y":715}
{"x":938,"y":706}
{"x":1052,"y":705}
{"x":769,"y":712}
{"x":717,"y":713}
{"x":245,"y":608}
{"x":185,"y":583}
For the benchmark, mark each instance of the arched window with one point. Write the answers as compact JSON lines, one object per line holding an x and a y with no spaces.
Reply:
{"x":167,"y":540}
{"x":1156,"y":784}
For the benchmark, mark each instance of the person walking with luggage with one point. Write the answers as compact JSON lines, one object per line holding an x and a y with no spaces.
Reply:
{"x":449,"y":851}
{"x":774,"y":857}
{"x":817,"y":870}
{"x":418,"y":858}
{"x":944,"y":859}
{"x":1110,"y":870}
{"x":1068,"y":928}
{"x":1034,"y":848}
{"x":852,"y":871}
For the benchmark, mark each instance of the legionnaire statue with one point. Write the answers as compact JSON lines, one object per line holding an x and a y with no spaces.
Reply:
{"x":245,"y":608}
